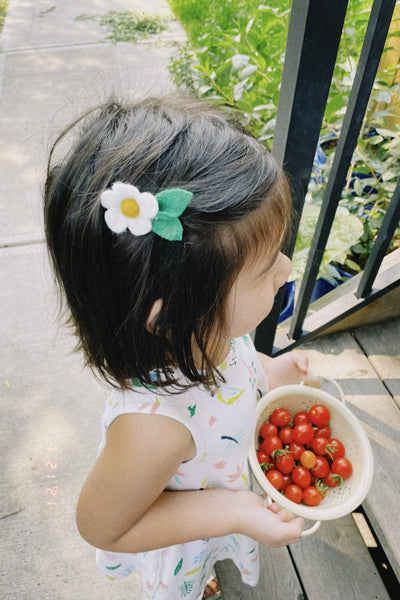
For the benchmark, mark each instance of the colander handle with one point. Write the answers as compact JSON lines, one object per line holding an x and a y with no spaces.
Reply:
{"x":311,"y":530}
{"x":305,"y":532}
{"x":335,"y":385}
{"x":337,"y":388}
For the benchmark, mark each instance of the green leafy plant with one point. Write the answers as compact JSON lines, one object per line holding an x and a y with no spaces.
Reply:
{"x":234,"y":55}
{"x":3,"y":11}
{"x":346,"y":231}
{"x":127,"y":25}
{"x":375,"y":165}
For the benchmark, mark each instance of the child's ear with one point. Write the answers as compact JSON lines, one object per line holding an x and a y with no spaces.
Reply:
{"x":153,"y":314}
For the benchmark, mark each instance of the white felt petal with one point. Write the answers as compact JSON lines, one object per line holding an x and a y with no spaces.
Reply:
{"x":125,"y":190}
{"x":116,"y":221}
{"x":108,"y":199}
{"x":148,"y":205}
{"x":139,"y":226}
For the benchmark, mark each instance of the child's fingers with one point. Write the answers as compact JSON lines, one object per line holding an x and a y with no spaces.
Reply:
{"x":274,"y":507}
{"x":290,"y":532}
{"x":286,"y":515}
{"x":312,"y":381}
{"x":282,"y":528}
{"x":301,"y":362}
{"x":297,"y":526}
{"x":283,"y":513}
{"x":309,"y":378}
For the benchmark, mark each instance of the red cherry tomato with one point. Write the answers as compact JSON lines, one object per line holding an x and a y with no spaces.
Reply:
{"x":263,"y":458}
{"x":333,"y":480}
{"x":296,"y":449}
{"x":343,"y":467}
{"x":311,"y":496}
{"x":304,"y":441}
{"x":321,"y":468}
{"x":268,"y":429}
{"x":303,"y":433}
{"x":271,"y":443}
{"x":308,"y":459}
{"x":287,"y":480}
{"x":294,"y":493}
{"x":319,"y":415}
{"x":284,"y":461}
{"x":319,"y":445}
{"x":280,"y":417}
{"x":286,"y":435}
{"x":301,"y":476}
{"x":323,"y":432}
{"x":321,"y":487}
{"x":335,"y":448}
{"x":275,"y":478}
{"x":301,"y":417}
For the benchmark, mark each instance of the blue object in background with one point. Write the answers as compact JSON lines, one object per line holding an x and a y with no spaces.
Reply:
{"x":322,"y":286}
{"x":319,"y":160}
{"x":367,"y":189}
{"x":289,"y":301}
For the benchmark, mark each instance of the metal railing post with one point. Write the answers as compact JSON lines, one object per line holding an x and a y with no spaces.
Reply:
{"x":375,"y":37}
{"x":313,"y":39}
{"x":385,"y":234}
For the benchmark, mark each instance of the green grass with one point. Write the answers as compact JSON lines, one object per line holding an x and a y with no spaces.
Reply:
{"x":127,"y":25}
{"x":194,"y":14}
{"x":3,"y":11}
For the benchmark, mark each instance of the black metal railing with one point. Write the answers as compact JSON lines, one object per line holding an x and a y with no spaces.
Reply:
{"x":313,"y":40}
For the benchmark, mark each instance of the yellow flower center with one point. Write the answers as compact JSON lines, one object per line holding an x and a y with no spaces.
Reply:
{"x":130,"y":208}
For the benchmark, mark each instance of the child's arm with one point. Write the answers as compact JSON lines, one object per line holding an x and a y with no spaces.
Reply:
{"x":287,"y":369}
{"x":123,"y":506}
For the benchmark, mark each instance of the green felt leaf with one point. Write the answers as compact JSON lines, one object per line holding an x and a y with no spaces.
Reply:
{"x":174,"y":201}
{"x":167,"y":227}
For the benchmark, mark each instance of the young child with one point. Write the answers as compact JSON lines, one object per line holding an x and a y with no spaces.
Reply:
{"x":164,"y":222}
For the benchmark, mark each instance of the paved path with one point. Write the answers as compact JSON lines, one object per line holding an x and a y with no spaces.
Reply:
{"x":51,"y":67}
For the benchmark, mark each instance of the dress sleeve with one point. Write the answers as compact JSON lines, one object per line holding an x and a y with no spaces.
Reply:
{"x":142,"y":401}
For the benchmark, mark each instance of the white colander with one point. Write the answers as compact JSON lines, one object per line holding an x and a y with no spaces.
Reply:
{"x":341,"y":500}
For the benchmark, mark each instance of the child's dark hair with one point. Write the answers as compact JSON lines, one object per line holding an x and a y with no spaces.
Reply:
{"x":240,"y":205}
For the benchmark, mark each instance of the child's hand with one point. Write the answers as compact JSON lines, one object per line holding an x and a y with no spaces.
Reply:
{"x":271,"y":525}
{"x":287,"y":369}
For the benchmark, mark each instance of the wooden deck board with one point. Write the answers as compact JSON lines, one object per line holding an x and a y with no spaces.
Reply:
{"x":340,"y":357}
{"x":336,"y":553}
{"x":278,"y":578}
{"x":381,"y":344}
{"x":334,"y":563}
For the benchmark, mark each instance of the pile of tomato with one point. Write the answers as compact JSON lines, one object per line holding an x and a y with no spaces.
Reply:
{"x":298,"y":455}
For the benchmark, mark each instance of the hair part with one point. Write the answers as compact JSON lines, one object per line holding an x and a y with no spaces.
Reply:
{"x":241,"y":205}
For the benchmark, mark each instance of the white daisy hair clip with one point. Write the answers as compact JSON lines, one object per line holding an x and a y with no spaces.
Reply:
{"x":142,"y":212}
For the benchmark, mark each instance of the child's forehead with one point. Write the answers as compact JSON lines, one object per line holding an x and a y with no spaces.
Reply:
{"x":266,"y":250}
{"x":261,"y":261}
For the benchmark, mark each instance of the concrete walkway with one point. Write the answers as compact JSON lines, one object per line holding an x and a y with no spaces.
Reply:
{"x":51,"y":68}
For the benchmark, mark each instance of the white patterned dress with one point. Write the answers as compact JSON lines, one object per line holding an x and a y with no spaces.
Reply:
{"x":222,"y":422}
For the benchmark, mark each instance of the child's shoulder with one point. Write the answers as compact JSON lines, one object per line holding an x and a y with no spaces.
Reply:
{"x":149,"y":399}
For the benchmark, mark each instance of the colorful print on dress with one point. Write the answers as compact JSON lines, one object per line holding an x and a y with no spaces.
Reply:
{"x":230,"y":394}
